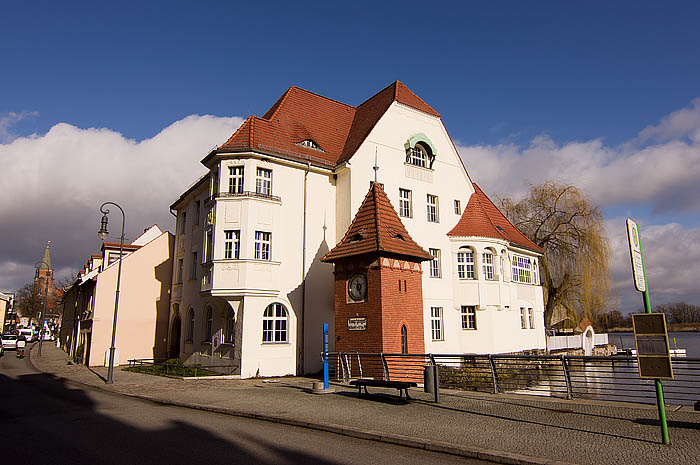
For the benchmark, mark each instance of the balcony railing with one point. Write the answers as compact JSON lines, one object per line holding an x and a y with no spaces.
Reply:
{"x":231,"y":195}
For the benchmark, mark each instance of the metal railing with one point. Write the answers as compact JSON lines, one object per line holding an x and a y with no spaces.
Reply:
{"x":230,"y":195}
{"x":603,"y":378}
{"x":163,"y":368}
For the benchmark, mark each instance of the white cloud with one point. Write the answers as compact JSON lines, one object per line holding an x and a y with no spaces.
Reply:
{"x":671,"y":259}
{"x":660,"y":168}
{"x":53,"y":185}
{"x":10,"y":119}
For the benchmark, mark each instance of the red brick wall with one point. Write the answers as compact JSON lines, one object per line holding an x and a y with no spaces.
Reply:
{"x":387,"y":307}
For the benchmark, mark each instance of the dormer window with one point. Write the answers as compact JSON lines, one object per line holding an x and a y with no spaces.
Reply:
{"x":420,"y":151}
{"x":309,"y":144}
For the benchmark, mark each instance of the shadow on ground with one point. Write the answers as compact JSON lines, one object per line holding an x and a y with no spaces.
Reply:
{"x":47,"y":421}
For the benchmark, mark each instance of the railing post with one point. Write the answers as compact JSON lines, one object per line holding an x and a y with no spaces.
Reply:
{"x":432,"y":359}
{"x":493,"y":373}
{"x":343,"y":363}
{"x":385,"y":366}
{"x":567,"y":377}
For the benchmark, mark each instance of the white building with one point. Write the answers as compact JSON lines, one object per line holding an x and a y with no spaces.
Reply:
{"x":249,"y":288}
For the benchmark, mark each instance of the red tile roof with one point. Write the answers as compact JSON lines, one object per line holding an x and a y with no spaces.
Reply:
{"x":337,"y":128}
{"x":481,"y":218}
{"x":377,"y":229}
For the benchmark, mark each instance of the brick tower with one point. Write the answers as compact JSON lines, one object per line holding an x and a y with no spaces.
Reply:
{"x":378,"y":282}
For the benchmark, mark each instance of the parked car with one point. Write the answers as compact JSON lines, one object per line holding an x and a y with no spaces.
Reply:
{"x":28,"y":334}
{"x":9,"y":341}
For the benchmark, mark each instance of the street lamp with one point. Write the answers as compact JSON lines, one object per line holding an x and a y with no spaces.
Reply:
{"x":46,"y":297}
{"x":103,"y":234}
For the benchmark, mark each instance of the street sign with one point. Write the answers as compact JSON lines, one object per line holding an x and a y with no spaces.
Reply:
{"x":651,"y":338}
{"x":357,"y":324}
{"x":636,"y":254}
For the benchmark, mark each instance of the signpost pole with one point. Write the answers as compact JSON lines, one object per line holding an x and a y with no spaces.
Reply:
{"x":659,"y":390}
{"x":325,"y":357}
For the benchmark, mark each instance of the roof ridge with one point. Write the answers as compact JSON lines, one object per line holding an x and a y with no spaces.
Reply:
{"x":376,"y":213}
{"x":278,"y":104}
{"x":322,"y":96}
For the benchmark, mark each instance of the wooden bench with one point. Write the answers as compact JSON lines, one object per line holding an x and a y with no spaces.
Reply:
{"x":401,"y":386}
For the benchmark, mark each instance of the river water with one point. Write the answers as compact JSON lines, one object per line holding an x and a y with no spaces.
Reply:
{"x":690,"y":341}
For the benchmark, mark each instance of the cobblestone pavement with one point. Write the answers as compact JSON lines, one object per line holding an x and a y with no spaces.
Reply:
{"x":502,"y":428}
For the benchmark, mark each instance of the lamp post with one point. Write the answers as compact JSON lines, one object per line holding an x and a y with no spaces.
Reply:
{"x":46,"y":297}
{"x":103,"y":234}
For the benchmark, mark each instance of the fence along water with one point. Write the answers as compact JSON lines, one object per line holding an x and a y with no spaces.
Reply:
{"x":603,"y":378}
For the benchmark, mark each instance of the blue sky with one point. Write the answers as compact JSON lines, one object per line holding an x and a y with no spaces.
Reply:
{"x":515,"y":82}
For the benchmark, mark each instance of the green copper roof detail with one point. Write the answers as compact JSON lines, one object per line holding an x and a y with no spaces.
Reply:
{"x":46,"y":258}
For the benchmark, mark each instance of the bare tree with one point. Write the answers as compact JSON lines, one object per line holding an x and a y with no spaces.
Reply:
{"x":29,"y":301}
{"x":575,"y":269}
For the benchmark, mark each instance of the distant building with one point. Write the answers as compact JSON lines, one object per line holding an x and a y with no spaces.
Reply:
{"x":249,"y":287}
{"x":142,"y":320}
{"x":7,"y":313}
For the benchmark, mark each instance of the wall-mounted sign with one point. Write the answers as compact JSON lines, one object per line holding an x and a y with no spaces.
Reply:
{"x":636,"y":254}
{"x":357,"y":324}
{"x":651,"y":338}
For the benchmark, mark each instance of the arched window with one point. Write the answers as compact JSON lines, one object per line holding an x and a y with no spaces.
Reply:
{"x":230,"y":325}
{"x":465,"y":263}
{"x":190,"y":324}
{"x":404,"y":339}
{"x":420,"y":151}
{"x":210,"y":320}
{"x":487,"y":264}
{"x":275,"y":324}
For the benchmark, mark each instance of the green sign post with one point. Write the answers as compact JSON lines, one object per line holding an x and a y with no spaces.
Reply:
{"x":640,"y":282}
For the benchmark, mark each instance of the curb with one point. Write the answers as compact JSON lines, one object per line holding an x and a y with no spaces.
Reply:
{"x":494,"y":456}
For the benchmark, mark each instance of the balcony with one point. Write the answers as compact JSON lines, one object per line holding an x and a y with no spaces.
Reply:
{"x":242,"y":277}
{"x":244,"y":194}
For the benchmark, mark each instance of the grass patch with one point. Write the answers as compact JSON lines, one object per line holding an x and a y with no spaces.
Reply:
{"x":171,"y":368}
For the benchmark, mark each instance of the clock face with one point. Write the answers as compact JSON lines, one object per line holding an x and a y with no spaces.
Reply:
{"x":357,"y":287}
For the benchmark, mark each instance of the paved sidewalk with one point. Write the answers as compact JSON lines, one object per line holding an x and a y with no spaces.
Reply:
{"x":500,"y":428}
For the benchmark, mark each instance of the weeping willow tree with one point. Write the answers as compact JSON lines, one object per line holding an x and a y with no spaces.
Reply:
{"x":575,"y":268}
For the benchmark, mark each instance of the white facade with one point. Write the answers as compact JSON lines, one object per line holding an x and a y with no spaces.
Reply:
{"x":306,"y":212}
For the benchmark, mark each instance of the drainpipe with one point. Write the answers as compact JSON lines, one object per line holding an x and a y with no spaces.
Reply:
{"x":303,"y":278}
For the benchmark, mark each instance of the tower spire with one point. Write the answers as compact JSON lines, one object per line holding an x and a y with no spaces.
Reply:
{"x":376,"y":166}
{"x":46,"y":258}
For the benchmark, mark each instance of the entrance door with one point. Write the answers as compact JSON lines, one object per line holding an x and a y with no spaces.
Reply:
{"x":175,"y":332}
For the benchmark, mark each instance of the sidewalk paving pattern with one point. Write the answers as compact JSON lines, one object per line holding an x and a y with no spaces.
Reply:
{"x":499,"y":428}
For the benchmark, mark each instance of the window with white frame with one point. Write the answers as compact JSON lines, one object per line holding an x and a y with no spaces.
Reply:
{"x":531,"y":317}
{"x":263,"y":181}
{"x":275,"y":324}
{"x":235,"y":179}
{"x":263,"y":245}
{"x":418,"y":156}
{"x":432,"y":208}
{"x":232,"y":246}
{"x":523,"y":318}
{"x":465,"y":263}
{"x":436,"y":323}
{"x":209,"y":324}
{"x":468,"y":313}
{"x":435,"y":268}
{"x":193,"y":269}
{"x":405,"y":204}
{"x":487,"y":264}
{"x":535,"y":272}
{"x":458,"y":208}
{"x":521,"y":270}
{"x":190,"y":325}
{"x":230,"y":326}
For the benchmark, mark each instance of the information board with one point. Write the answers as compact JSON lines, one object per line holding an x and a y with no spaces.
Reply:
{"x":357,"y":324}
{"x":651,"y":339}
